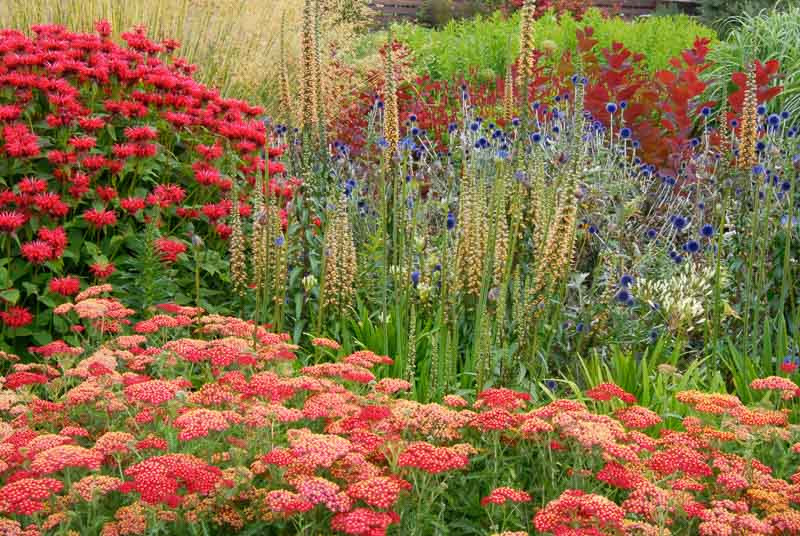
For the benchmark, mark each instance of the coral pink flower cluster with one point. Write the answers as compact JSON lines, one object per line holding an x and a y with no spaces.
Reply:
{"x":198,"y":422}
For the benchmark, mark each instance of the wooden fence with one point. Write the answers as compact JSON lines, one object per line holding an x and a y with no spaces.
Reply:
{"x":390,"y":10}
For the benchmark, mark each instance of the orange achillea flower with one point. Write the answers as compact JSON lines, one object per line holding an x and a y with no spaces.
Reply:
{"x":609,"y":391}
{"x":381,"y":492}
{"x":326,"y":343}
{"x":153,"y":392}
{"x":57,"y":458}
{"x":432,"y":459}
{"x":576,"y":509}
{"x":637,"y":417}
{"x":502,"y":494}
{"x":786,"y":386}
{"x":367,"y":359}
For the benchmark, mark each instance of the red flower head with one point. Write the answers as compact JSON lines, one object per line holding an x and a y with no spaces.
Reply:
{"x":503,"y":494}
{"x":169,"y":250}
{"x":607,"y":391}
{"x":11,"y":221}
{"x":102,"y":270}
{"x":132,"y":205}
{"x":56,"y":238}
{"x":16,"y":317}
{"x":103,"y":27}
{"x":100,"y":218}
{"x":66,"y":286}
{"x":37,"y":251}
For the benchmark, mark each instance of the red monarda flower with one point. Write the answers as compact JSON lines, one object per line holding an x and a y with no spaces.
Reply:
{"x":106,"y":193}
{"x":66,"y":286}
{"x":10,"y":221}
{"x":132,"y":205}
{"x":37,"y":251}
{"x":16,"y":317}
{"x":141,"y":133}
{"x":100,"y":218}
{"x":102,"y":270}
{"x":169,"y":250}
{"x":56,"y":237}
{"x":20,"y":142}
{"x":83,"y":143}
{"x":50,"y":203}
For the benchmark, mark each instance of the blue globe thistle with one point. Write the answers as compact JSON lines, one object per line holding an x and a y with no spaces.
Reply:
{"x":707,"y":230}
{"x":785,"y":115}
{"x":652,"y":233}
{"x":679,"y":222}
{"x":536,"y":137}
{"x":550,"y":385}
{"x":636,"y":144}
{"x":415,"y":131}
{"x":734,"y":123}
{"x":678,"y":259}
{"x":558,"y":98}
{"x":536,"y":105}
{"x":701,"y":205}
{"x":592,"y":230}
{"x":706,"y":111}
{"x":556,"y":129}
{"x":611,"y":108}
{"x":623,"y":296}
{"x":415,"y":277}
{"x":623,"y":105}
{"x":761,"y":109}
{"x":692,"y":246}
{"x":760,"y":146}
{"x":791,"y":133}
{"x":451,"y":220}
{"x":672,"y":181}
{"x":515,"y":121}
{"x":626,"y":280}
{"x":279,"y":241}
{"x":412,"y":118}
{"x":452,"y":127}
{"x":774,"y":120}
{"x":380,"y":105}
{"x":786,"y":186}
{"x":575,"y":78}
{"x":474,"y":126}
{"x":626,"y":133}
{"x":653,"y":336}
{"x":566,"y":96}
{"x":579,"y":327}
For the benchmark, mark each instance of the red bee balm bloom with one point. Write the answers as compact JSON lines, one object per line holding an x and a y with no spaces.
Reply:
{"x":11,"y":221}
{"x":37,"y":251}
{"x":102,"y":270}
{"x":100,"y":218}
{"x":16,"y":317}
{"x":169,"y":249}
{"x":66,"y":286}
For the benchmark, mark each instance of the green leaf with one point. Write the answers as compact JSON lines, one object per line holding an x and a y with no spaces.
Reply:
{"x":11,"y":295}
